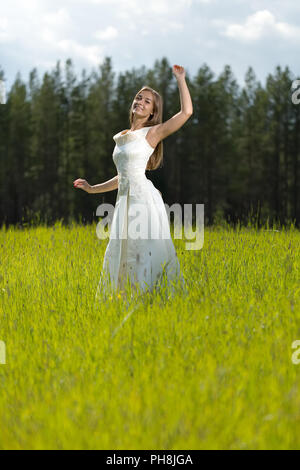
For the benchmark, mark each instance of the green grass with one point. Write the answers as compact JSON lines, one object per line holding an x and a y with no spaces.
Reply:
{"x":210,"y":369}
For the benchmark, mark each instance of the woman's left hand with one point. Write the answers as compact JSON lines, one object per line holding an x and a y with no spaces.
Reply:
{"x":178,"y":71}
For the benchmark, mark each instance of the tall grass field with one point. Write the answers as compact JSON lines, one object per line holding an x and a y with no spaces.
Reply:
{"x":213,"y":366}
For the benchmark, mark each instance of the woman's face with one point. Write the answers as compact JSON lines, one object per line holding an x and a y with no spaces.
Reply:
{"x":143,"y":104}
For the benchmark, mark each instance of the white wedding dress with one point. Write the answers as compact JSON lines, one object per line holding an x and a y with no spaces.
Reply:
{"x":140,"y":250}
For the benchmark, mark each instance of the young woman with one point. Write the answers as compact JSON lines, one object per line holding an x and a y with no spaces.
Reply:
{"x":138,"y":254}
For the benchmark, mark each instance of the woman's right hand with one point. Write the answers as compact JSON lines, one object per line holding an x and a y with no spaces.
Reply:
{"x":82,"y":184}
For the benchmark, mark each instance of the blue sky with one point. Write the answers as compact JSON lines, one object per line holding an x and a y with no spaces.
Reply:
{"x":263,"y":34}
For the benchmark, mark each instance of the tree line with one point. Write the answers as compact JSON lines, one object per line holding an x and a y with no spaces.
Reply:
{"x":239,"y":153}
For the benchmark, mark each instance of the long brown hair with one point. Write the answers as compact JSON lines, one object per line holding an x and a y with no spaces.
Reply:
{"x":156,"y":159}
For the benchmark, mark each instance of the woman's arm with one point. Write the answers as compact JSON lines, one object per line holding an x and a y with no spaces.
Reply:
{"x":163,"y":130}
{"x":97,"y":188}
{"x":185,"y":97}
{"x":109,"y":185}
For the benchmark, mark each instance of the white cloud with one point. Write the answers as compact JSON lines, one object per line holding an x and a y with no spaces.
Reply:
{"x":254,"y":27}
{"x":37,"y":33}
{"x":146,"y":6}
{"x":50,"y":35}
{"x":166,"y":7}
{"x":5,"y":36}
{"x":59,"y":18}
{"x":175,"y":26}
{"x":98,"y":2}
{"x":106,"y":34}
{"x":158,"y":7}
{"x":92,"y":54}
{"x":261,"y":23}
{"x":288,"y":31}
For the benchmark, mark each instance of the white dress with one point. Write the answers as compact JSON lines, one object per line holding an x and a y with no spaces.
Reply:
{"x":140,"y":250}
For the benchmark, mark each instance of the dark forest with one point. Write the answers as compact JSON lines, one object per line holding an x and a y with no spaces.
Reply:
{"x":238,"y":154}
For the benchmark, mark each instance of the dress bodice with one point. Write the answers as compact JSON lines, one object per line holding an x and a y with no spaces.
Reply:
{"x":131,"y":154}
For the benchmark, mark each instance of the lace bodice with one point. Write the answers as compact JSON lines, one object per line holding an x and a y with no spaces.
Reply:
{"x":131,"y":154}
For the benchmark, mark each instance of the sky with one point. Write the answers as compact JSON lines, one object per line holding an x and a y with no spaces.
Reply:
{"x":190,"y":33}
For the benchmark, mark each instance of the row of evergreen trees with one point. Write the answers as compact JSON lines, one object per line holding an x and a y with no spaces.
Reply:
{"x":239,"y":154}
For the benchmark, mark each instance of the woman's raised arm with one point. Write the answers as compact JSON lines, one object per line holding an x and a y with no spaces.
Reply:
{"x":163,"y":130}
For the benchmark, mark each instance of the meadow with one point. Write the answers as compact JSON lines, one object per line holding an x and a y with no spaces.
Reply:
{"x":207,"y":368}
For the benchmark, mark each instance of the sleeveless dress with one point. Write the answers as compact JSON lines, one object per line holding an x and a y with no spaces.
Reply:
{"x":140,"y":251}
